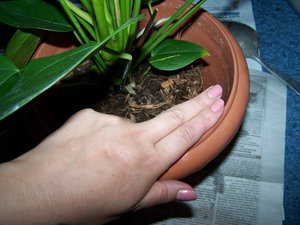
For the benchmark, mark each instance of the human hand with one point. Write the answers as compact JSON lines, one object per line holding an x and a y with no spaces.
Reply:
{"x":98,"y":166}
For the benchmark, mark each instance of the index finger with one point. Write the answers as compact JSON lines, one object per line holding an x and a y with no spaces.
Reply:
{"x":170,"y":120}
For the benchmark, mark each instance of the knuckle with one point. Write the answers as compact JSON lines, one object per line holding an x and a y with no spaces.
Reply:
{"x":177,"y":115}
{"x":85,"y":112}
{"x":111,"y":119}
{"x":209,"y":120}
{"x":115,"y":119}
{"x":203,"y":100}
{"x":82,"y":115}
{"x":164,"y":193}
{"x":186,"y":134}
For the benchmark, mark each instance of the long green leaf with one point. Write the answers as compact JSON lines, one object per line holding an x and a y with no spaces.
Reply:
{"x":18,"y":88}
{"x":21,"y":47}
{"x":7,"y":70}
{"x":83,"y":38}
{"x":36,"y":14}
{"x":38,"y":76}
{"x":176,"y":54}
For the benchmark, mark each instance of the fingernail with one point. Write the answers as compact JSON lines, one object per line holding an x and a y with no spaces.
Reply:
{"x":186,"y":195}
{"x":217,"y":106}
{"x":214,"y":91}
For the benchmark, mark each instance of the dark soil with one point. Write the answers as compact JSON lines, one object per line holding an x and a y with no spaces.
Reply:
{"x":155,"y":92}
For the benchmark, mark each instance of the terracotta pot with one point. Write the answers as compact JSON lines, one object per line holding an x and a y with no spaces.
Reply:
{"x":226,"y":66}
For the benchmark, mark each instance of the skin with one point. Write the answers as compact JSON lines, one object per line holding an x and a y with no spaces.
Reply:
{"x":97,"y":167}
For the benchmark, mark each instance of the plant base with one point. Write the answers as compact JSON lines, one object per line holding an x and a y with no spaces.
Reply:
{"x":156,"y":92}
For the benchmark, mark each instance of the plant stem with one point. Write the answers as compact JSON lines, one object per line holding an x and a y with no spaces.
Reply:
{"x":166,"y":30}
{"x":168,"y":23}
{"x":133,"y":28}
{"x":100,"y":20}
{"x":150,"y":8}
{"x":80,"y":34}
{"x":74,"y":21}
{"x":87,"y":6}
{"x":80,"y":13}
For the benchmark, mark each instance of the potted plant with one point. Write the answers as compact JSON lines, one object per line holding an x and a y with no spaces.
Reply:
{"x":231,"y":73}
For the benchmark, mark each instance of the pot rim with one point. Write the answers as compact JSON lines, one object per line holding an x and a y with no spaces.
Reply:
{"x":239,"y":91}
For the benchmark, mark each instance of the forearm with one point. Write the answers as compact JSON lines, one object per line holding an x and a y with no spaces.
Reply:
{"x":35,"y":191}
{"x":21,"y":200}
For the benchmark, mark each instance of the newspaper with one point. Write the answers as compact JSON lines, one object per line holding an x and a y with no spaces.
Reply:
{"x":240,"y":10}
{"x":235,"y":10}
{"x":244,"y":184}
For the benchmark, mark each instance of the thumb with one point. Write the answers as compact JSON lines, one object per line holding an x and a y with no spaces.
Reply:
{"x":166,"y":191}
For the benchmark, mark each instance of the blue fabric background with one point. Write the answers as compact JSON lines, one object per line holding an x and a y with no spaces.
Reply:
{"x":279,"y":28}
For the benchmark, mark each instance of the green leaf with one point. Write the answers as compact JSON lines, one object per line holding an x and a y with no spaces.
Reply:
{"x":17,"y":89}
{"x":7,"y":70}
{"x":175,"y":54}
{"x":36,"y":14}
{"x":21,"y":47}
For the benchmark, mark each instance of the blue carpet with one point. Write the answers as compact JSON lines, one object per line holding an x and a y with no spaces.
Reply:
{"x":279,"y":28}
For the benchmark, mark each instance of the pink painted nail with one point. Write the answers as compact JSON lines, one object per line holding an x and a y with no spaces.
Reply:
{"x":186,"y":195}
{"x":217,"y":106}
{"x":214,"y":91}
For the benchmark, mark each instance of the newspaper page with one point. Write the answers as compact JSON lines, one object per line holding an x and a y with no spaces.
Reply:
{"x":244,"y":184}
{"x":234,"y":10}
{"x":240,"y":10}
